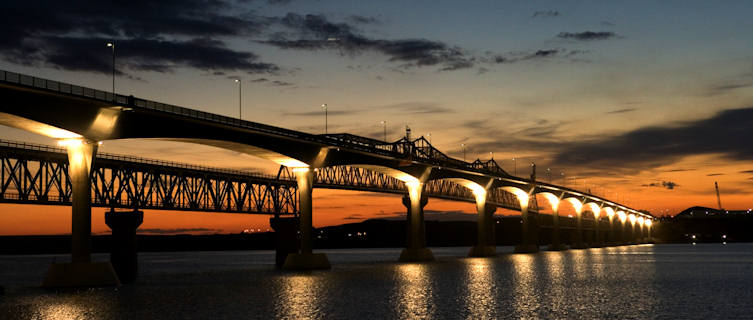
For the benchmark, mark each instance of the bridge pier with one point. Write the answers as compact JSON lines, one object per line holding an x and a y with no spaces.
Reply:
{"x":578,"y":239}
{"x":610,"y":237}
{"x":305,"y":259}
{"x":556,"y":244}
{"x":415,"y":201}
{"x":123,"y":254}
{"x":286,"y":234}
{"x":598,"y":241}
{"x":81,"y":271}
{"x":485,"y":244}
{"x":530,"y":231}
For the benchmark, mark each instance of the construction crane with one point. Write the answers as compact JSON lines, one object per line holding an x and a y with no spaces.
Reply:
{"x":718,"y":199}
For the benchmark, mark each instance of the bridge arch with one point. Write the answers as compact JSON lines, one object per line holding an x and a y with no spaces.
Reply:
{"x":594,"y":208}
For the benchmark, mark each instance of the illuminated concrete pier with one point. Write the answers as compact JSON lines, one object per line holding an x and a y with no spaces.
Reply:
{"x":305,"y":259}
{"x":485,"y":243}
{"x":81,"y":271}
{"x":415,"y":201}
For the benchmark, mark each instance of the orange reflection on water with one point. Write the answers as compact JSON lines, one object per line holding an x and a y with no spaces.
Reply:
{"x":61,"y":310}
{"x":299,"y":298}
{"x":526,"y":297}
{"x":414,"y":292}
{"x":481,"y":299}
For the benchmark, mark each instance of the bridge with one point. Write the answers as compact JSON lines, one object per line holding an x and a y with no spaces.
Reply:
{"x":80,"y":118}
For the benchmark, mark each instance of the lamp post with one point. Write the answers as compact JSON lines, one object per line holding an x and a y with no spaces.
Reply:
{"x":549,"y":174}
{"x":384,"y":126}
{"x":240,"y":90}
{"x":112,"y":45}
{"x":514,"y":166}
{"x":462,"y":146}
{"x":324,"y":106}
{"x":429,"y":136}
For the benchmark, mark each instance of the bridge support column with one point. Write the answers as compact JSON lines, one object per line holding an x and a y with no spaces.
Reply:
{"x":416,"y":247}
{"x":286,"y":234}
{"x":305,"y":259}
{"x":610,"y":236}
{"x":578,"y":239}
{"x":81,"y":271}
{"x":556,"y":244}
{"x":598,"y":241}
{"x":529,"y":229}
{"x":123,"y":254}
{"x":485,"y":244}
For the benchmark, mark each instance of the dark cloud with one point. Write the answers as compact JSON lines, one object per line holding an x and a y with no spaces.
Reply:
{"x":714,"y":174}
{"x":546,"y":14}
{"x":155,"y":36}
{"x":542,"y":54}
{"x":747,"y":171}
{"x":315,"y":32}
{"x":359,"y":19}
{"x":730,"y":85}
{"x":587,"y":35}
{"x":626,"y":110}
{"x":277,"y":83}
{"x":664,"y":184}
{"x":727,"y":133}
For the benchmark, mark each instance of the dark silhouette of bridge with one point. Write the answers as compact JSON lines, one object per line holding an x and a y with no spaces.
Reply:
{"x":81,"y":117}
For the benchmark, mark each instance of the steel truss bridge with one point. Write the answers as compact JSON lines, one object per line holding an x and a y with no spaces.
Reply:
{"x":38,"y":174}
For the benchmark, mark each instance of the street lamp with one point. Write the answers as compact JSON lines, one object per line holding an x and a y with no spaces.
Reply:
{"x":324,"y":106}
{"x":462,"y":146}
{"x":514,"y":166}
{"x":384,"y":125}
{"x":240,"y":89}
{"x":429,"y":136}
{"x":491,"y":155}
{"x":112,"y":45}
{"x":549,"y":174}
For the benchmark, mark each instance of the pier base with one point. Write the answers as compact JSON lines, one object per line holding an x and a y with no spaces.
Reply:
{"x":286,"y":234}
{"x":416,"y":255}
{"x":81,"y":274}
{"x":556,"y":247}
{"x":306,"y":261}
{"x":483,"y":251}
{"x":124,"y":253}
{"x":526,"y":248}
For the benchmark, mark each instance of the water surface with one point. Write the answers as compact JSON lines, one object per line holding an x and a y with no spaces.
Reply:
{"x":630,"y":282}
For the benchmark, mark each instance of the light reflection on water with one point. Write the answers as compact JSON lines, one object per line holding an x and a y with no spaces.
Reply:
{"x":413,"y":292}
{"x":524,"y":285}
{"x":299,"y":297}
{"x":480,"y":296}
{"x":632,"y":282}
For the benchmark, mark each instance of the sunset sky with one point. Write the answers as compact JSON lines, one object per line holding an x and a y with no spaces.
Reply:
{"x":647,"y":103}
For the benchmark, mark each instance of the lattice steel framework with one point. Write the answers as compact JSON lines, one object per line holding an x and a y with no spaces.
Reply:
{"x":37,"y":174}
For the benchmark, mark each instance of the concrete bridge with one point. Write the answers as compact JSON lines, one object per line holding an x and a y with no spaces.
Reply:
{"x":80,"y":118}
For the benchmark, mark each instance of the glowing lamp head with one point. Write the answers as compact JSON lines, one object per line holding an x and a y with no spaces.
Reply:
{"x":110,"y":44}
